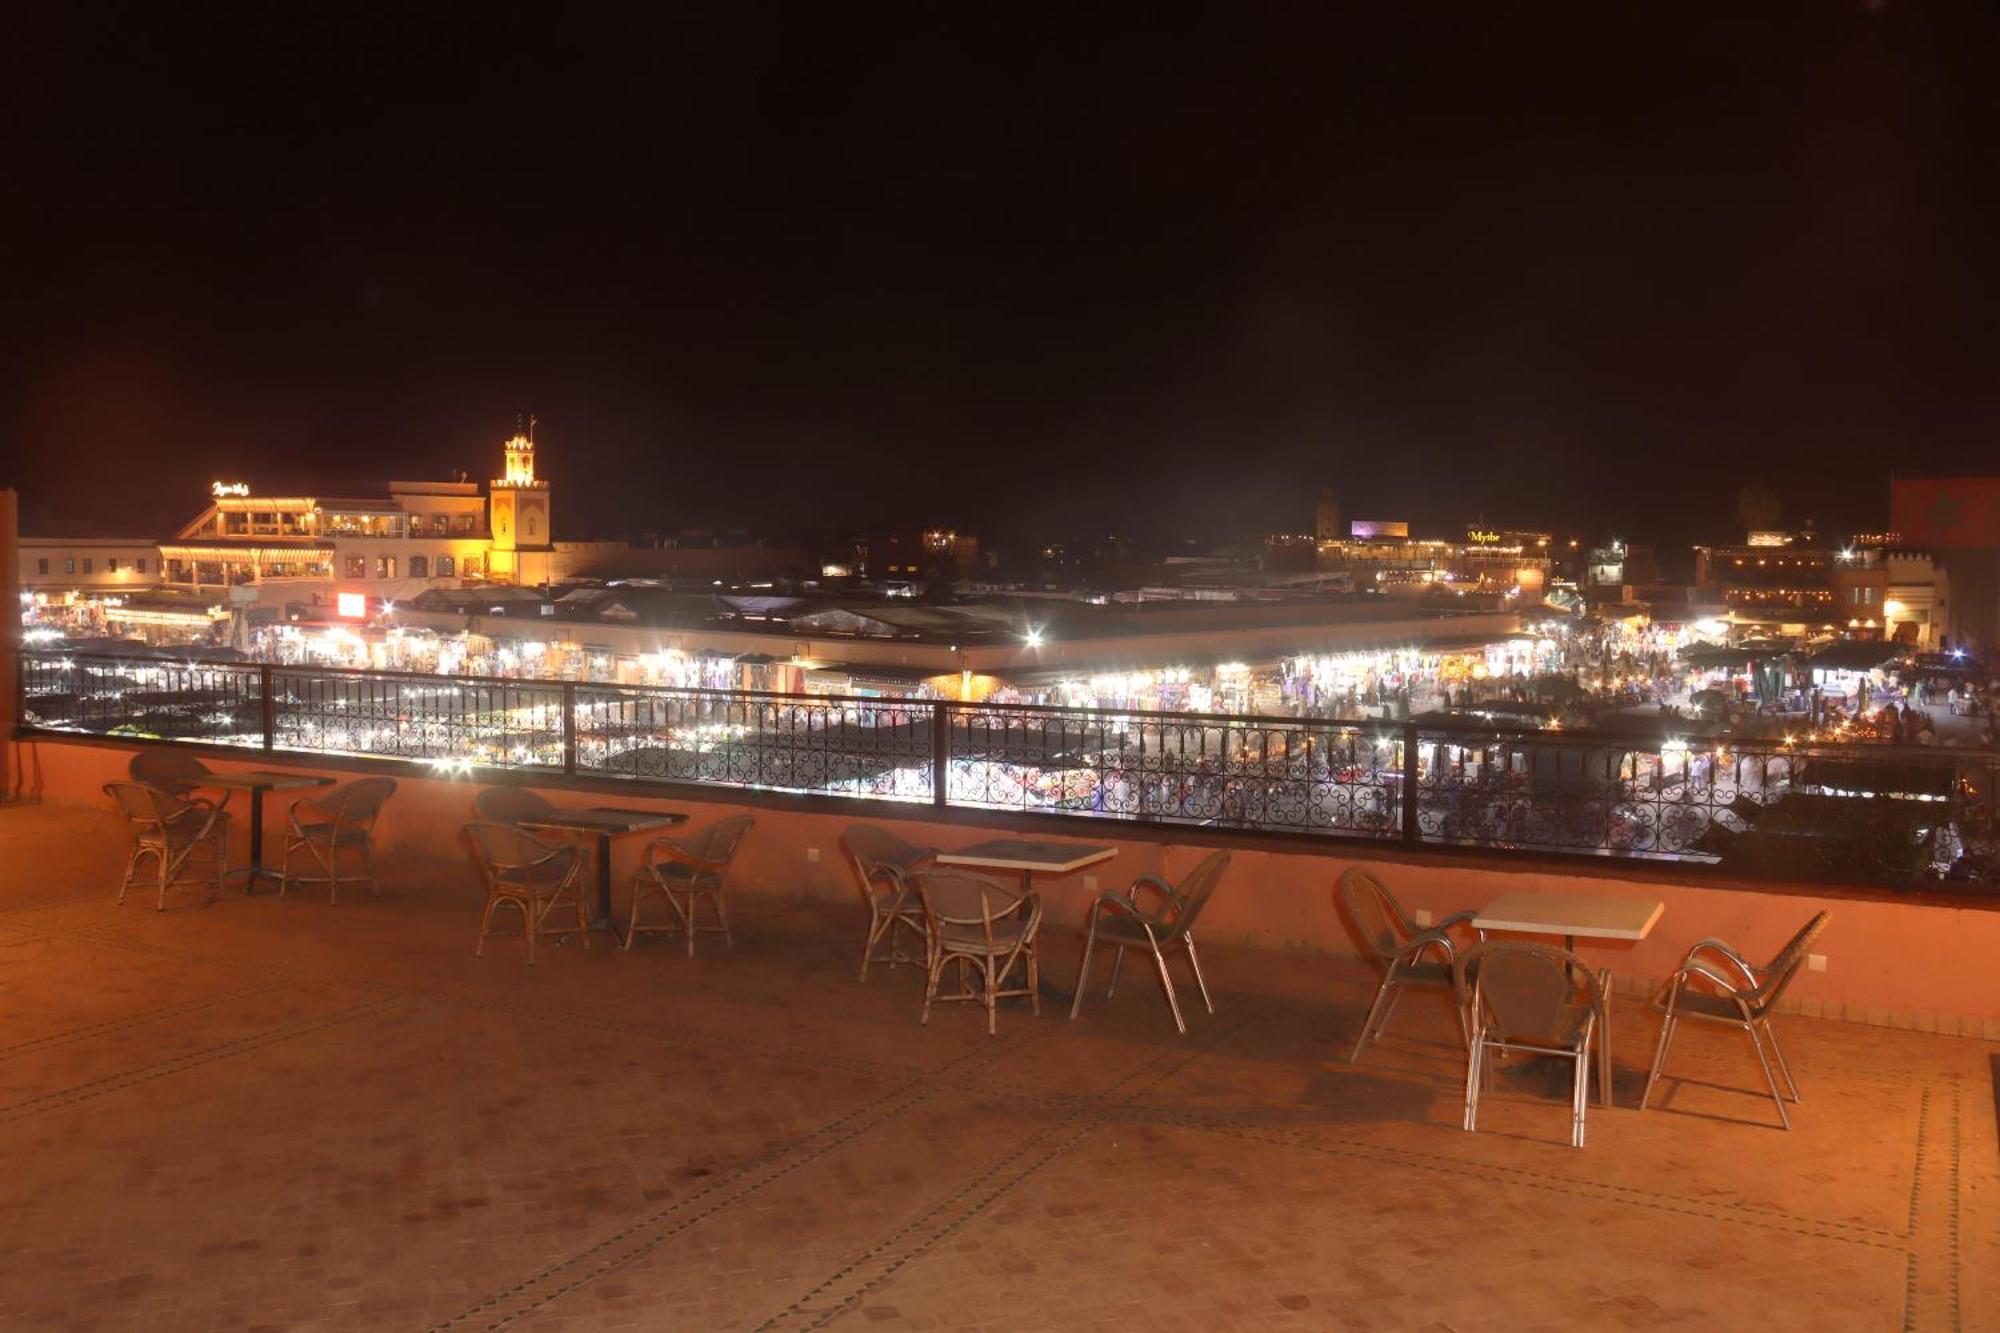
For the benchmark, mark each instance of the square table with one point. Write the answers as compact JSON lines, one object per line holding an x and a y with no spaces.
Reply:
{"x":1050,"y":858}
{"x":604,"y":823}
{"x":1574,"y":916}
{"x":257,"y":782}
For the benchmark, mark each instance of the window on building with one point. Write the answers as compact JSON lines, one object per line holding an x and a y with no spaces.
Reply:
{"x":420,"y":568}
{"x":69,"y":564}
{"x":139,"y":565}
{"x":385,"y":566}
{"x":439,"y":525}
{"x":444,"y":566}
{"x":42,"y":565}
{"x":111,"y":564}
{"x":466,"y":524}
{"x":357,"y":566}
{"x":471,"y":566}
{"x":89,"y":565}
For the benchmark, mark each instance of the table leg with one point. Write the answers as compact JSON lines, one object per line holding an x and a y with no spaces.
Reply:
{"x":604,"y":883}
{"x":256,"y":840}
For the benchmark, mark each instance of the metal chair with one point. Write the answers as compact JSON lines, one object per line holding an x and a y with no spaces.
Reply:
{"x":1120,"y":921}
{"x":530,"y":875}
{"x":1533,"y":998}
{"x":684,"y":871}
{"x":510,"y":805}
{"x":172,"y":830}
{"x":175,"y":772}
{"x":1398,"y":944}
{"x":340,"y":820}
{"x":882,"y":865}
{"x":1747,"y":1005}
{"x":985,"y":928}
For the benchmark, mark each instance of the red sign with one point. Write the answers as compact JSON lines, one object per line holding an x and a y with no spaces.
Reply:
{"x":1961,"y":513}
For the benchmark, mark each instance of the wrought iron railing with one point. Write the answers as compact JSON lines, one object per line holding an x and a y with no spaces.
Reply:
{"x":1763,"y":808}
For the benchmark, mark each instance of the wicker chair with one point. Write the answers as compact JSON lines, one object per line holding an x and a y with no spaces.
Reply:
{"x":510,"y":805}
{"x":173,"y":831}
{"x":174,"y":772}
{"x":530,"y":875}
{"x":1532,"y":998}
{"x":986,"y":929}
{"x":1744,"y":997}
{"x":882,"y":865}
{"x":1121,"y":922}
{"x":1398,"y":945}
{"x":340,"y":820}
{"x":684,"y":871}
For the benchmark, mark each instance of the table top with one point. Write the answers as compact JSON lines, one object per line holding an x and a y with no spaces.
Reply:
{"x":605,"y":819}
{"x":264,"y":780}
{"x":1051,"y":858}
{"x":1575,"y":914}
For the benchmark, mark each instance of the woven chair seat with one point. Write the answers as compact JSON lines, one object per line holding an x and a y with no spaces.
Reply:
{"x":971,"y":938}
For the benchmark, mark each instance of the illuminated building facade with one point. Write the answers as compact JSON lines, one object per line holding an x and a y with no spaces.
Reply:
{"x":393,"y":545}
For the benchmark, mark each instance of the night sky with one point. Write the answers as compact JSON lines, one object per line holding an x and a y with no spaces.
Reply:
{"x":1025,"y":269}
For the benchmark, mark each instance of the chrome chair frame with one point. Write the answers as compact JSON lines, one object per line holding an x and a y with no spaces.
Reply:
{"x":170,"y":828}
{"x":1398,"y":945}
{"x":1752,"y":1003}
{"x":1170,"y":922}
{"x":1469,"y":980}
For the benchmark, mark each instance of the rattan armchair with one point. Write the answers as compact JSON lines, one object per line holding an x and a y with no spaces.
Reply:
{"x":173,"y":831}
{"x":1743,"y":996}
{"x":986,"y":929}
{"x":883,"y":864}
{"x":1397,"y":945}
{"x":340,"y":820}
{"x":684,"y":871}
{"x":1535,"y":999}
{"x":1121,"y":921}
{"x":530,"y":875}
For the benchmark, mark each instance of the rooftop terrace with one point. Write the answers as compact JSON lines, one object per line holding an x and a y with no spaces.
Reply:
{"x":252,"y":1113}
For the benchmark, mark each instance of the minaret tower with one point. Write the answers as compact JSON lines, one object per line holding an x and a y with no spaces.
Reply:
{"x":518,"y":512}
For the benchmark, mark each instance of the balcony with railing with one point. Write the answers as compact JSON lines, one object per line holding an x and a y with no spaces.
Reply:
{"x":1899,"y":817}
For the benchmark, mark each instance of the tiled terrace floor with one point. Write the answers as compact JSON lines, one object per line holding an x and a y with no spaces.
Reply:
{"x":247,"y":1113}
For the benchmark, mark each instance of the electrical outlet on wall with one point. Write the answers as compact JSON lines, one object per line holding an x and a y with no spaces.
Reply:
{"x":1423,"y":916}
{"x":1815,"y":962}
{"x":812,"y":854}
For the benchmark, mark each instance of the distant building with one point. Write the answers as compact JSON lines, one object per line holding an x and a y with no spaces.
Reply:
{"x":111,"y":564}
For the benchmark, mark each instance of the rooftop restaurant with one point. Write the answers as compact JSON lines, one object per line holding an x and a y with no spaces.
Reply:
{"x":401,"y":973}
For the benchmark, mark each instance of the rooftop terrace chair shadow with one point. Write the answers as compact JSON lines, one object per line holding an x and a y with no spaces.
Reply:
{"x":883,"y":864}
{"x":1532,"y":998}
{"x":1743,"y":996}
{"x":530,"y":875}
{"x":341,"y":819}
{"x":984,"y":927}
{"x":684,"y":871}
{"x":1397,"y":944}
{"x":510,"y":805}
{"x":174,"y":772}
{"x":173,"y":831}
{"x":1122,"y":922}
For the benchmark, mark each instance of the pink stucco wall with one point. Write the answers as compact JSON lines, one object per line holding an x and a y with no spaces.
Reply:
{"x":1901,"y":963}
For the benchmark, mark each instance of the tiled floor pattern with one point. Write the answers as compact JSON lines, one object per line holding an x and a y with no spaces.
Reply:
{"x":252,"y":1114}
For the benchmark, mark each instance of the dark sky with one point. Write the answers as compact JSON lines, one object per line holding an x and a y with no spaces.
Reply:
{"x":1593,"y":267}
